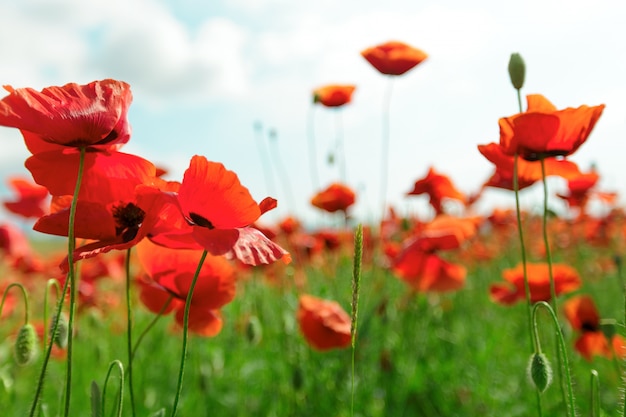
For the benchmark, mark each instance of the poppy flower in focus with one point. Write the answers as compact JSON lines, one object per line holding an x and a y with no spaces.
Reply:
{"x":566,"y":280}
{"x":337,"y":197}
{"x":109,"y":176}
{"x":544,"y":131}
{"x":324,"y":324}
{"x":583,"y":316}
{"x":31,"y":200}
{"x":394,"y":58}
{"x":333,"y":95}
{"x":73,"y":115}
{"x":220,"y":209}
{"x":437,"y":186}
{"x":528,"y":172}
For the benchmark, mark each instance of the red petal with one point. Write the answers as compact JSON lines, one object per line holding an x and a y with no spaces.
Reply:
{"x":253,"y":248}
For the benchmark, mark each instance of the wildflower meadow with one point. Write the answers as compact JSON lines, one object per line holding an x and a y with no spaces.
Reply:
{"x":127,"y":292}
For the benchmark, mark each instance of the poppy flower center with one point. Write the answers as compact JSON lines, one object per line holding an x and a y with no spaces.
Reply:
{"x":588,"y":327}
{"x":198,"y":220}
{"x":128,"y":218}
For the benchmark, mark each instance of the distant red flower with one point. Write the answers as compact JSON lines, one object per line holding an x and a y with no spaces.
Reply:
{"x":73,"y":115}
{"x":15,"y":247}
{"x":583,"y":316}
{"x":544,"y":131}
{"x":418,"y":263}
{"x":333,"y":95}
{"x":220,"y":210}
{"x":438,"y":187}
{"x":324,"y":324}
{"x":337,"y":197}
{"x":566,"y":280}
{"x":32,"y":199}
{"x":528,"y":172}
{"x":394,"y":58}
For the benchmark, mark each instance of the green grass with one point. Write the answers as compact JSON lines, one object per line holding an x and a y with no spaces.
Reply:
{"x":456,"y":354}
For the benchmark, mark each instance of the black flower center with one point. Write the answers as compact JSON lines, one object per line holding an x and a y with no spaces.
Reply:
{"x":128,"y":218}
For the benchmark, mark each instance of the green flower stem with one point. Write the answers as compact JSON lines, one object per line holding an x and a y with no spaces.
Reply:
{"x":534,"y":344}
{"x":71,"y":285}
{"x":595,"y":392}
{"x":620,"y":276}
{"x":569,"y":399}
{"x":384,"y":154}
{"x":50,"y":283}
{"x":545,"y":236}
{"x":129,"y":334}
{"x":356,"y":286}
{"x":340,"y":146}
{"x":183,"y":355}
{"x":120,"y":396}
{"x":6,"y":292}
{"x":151,"y":325}
{"x":315,"y":178}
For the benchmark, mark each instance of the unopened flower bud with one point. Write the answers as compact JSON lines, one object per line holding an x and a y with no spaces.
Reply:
{"x":254,"y":331}
{"x":25,"y":348}
{"x":540,"y":371}
{"x":517,"y":70}
{"x":60,"y":336}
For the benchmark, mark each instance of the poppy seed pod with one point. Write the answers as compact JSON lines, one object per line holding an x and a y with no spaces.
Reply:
{"x":517,"y":70}
{"x":540,"y":371}
{"x":25,"y":348}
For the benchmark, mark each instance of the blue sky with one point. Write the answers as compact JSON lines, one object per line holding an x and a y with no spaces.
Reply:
{"x":203,"y":73}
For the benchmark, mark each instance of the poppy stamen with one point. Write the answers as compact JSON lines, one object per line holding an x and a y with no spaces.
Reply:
{"x":128,"y":219}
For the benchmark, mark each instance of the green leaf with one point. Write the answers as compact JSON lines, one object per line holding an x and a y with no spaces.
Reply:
{"x":96,"y":400}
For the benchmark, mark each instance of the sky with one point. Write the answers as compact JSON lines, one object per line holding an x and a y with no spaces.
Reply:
{"x":233,"y":80}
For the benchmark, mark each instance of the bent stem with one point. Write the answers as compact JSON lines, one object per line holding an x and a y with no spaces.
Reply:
{"x":183,"y":355}
{"x":24,"y":294}
{"x":569,"y":399}
{"x":120,"y":395}
{"x":129,"y":332}
{"x":71,"y":285}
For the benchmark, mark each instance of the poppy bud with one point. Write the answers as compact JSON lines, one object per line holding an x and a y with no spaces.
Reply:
{"x":254,"y":331}
{"x":517,"y":70}
{"x":25,"y":348}
{"x":60,"y":337}
{"x":540,"y":371}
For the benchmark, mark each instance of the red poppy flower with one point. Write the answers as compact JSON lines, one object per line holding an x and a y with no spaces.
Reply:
{"x":566,"y":280}
{"x":528,"y":172}
{"x":333,"y":95}
{"x":109,"y":176}
{"x":201,"y":321}
{"x":219,"y":208}
{"x":437,"y":186}
{"x":544,"y":131}
{"x":31,"y":198}
{"x":173,"y":270}
{"x":72,"y":115}
{"x":427,"y":272}
{"x":419,"y":265}
{"x":15,"y":247}
{"x":337,"y":197}
{"x":583,"y":316}
{"x":394,"y":58}
{"x":324,"y":324}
